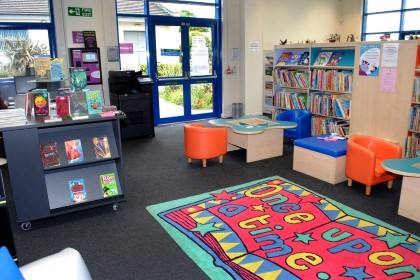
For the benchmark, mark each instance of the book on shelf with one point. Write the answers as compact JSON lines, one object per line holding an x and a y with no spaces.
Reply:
{"x":322,"y":58}
{"x":42,"y":68}
{"x":416,"y":89}
{"x":51,"y":118}
{"x":101,"y":147}
{"x":74,"y":151}
{"x":62,"y":105}
{"x":41,"y":102}
{"x":304,"y":59}
{"x":57,"y":69}
{"x":294,"y":59}
{"x":109,"y":184}
{"x":77,"y":78}
{"x":284,"y":57}
{"x":49,"y":154}
{"x":78,"y":103}
{"x":89,"y":38}
{"x":77,"y":190}
{"x":344,"y":107}
{"x":335,"y":59}
{"x":79,"y":116}
{"x":94,"y":101}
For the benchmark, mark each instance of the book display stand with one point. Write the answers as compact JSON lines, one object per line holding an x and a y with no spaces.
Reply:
{"x":64,"y":167}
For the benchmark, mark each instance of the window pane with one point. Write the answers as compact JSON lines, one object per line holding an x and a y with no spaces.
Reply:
{"x":376,"y":37}
{"x":410,"y":4}
{"x":135,"y":7}
{"x":132,"y":40}
{"x":201,"y":55}
{"x":201,"y":98}
{"x":182,"y":10}
{"x":374,"y":6}
{"x":200,"y":1}
{"x":25,"y":11}
{"x":411,"y":20}
{"x":171,"y":101}
{"x":19,"y":47}
{"x":383,"y":22}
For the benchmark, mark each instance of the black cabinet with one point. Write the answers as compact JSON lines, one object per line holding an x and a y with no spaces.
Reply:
{"x":41,"y":190}
{"x":132,"y":94}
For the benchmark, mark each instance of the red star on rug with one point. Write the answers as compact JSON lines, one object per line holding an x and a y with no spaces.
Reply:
{"x":311,"y":199}
{"x":223,"y":195}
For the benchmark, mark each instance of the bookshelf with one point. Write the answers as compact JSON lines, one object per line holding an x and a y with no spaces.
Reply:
{"x":291,"y":77}
{"x":268,"y":82}
{"x":41,"y":187}
{"x":331,"y":86}
{"x":412,"y":144}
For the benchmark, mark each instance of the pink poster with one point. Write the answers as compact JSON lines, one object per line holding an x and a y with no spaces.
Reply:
{"x":388,"y":79}
{"x":126,"y":48}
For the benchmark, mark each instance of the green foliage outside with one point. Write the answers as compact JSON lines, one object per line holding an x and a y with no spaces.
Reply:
{"x":20,"y":52}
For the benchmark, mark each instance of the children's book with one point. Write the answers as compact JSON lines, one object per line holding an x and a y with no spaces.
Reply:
{"x":284,"y":57}
{"x":78,"y":103}
{"x":304,"y":59}
{"x":294,"y":59}
{"x":42,"y":67}
{"x":109,"y":184}
{"x":62,"y":105}
{"x":335,"y":59}
{"x":89,"y":37}
{"x":101,"y":147}
{"x":74,"y":151}
{"x":79,"y":116}
{"x":41,"y":102}
{"x":94,"y":101}
{"x":49,"y":154}
{"x":57,"y":69}
{"x":77,"y":191}
{"x":322,"y":58}
{"x":78,"y":78}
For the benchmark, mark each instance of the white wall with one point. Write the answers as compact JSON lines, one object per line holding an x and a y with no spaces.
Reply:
{"x":103,"y":21}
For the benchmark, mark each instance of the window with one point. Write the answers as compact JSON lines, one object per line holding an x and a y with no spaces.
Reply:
{"x":26,"y":31}
{"x":398,"y":18}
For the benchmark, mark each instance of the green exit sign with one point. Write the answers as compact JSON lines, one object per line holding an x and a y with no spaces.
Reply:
{"x":79,"y":12}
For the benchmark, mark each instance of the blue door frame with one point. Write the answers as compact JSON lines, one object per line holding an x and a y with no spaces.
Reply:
{"x":186,"y":81}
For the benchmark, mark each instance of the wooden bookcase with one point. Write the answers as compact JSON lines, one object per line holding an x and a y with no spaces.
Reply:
{"x":41,"y":192}
{"x":268,"y":82}
{"x":379,"y":113}
{"x":412,"y":144}
{"x":291,"y":79}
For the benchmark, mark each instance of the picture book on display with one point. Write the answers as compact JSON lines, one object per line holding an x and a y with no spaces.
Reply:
{"x":42,"y":67}
{"x":284,"y":57}
{"x":78,"y":78}
{"x":49,"y":154}
{"x":57,"y":69}
{"x":41,"y":102}
{"x":335,"y":58}
{"x":101,"y":147}
{"x":304,"y":59}
{"x":322,"y":58}
{"x":62,"y":105}
{"x":94,"y":101}
{"x":77,"y":191}
{"x":74,"y":151}
{"x":294,"y":59}
{"x":109,"y":184}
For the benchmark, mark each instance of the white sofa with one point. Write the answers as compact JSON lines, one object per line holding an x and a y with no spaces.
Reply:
{"x":67,"y":264}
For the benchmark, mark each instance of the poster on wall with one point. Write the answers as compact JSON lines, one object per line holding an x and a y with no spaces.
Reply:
{"x":369,"y":59}
{"x":390,"y":54}
{"x":388,"y":79}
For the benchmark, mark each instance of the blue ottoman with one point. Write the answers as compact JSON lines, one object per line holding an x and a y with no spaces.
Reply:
{"x":325,"y":160}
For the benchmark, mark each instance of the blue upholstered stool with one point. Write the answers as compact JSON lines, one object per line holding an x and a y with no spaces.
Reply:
{"x":325,"y":160}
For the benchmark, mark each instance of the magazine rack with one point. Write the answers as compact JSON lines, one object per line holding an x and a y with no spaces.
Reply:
{"x":41,"y":190}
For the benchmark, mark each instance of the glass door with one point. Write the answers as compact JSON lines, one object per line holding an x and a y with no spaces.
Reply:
{"x":183,"y":66}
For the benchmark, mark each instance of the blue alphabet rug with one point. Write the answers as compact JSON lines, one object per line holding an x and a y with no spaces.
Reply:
{"x":275,"y":229}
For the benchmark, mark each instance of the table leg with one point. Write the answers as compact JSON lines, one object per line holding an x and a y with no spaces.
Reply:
{"x":409,"y":206}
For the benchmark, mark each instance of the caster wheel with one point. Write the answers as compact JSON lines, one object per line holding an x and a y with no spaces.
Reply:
{"x":25,"y":226}
{"x":115,"y":207}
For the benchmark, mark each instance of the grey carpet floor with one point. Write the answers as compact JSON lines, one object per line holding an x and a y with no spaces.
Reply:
{"x":130,"y":244}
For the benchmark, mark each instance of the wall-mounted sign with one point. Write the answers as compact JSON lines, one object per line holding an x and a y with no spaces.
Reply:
{"x":79,"y":12}
{"x":126,"y":48}
{"x":77,"y":37}
{"x":170,"y":52}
